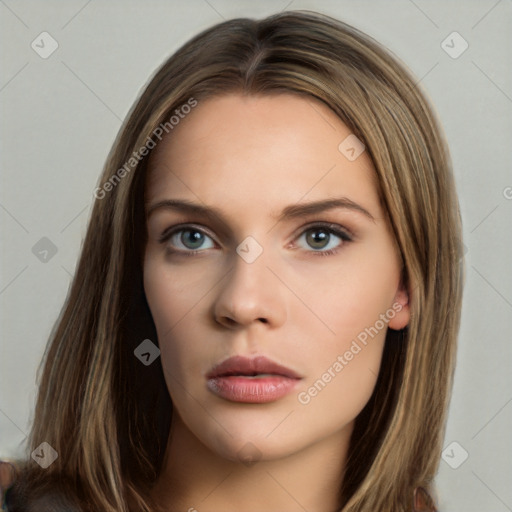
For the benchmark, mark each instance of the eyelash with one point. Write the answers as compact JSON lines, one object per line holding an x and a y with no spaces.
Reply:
{"x":333,"y":229}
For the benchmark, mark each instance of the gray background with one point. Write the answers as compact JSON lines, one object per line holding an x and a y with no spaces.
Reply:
{"x":59,"y":117}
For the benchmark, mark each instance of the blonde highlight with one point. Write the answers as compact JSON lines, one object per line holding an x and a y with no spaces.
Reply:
{"x":111,"y":445}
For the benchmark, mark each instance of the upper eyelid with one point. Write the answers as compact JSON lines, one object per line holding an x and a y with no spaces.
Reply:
{"x":332,"y":226}
{"x":183,"y":227}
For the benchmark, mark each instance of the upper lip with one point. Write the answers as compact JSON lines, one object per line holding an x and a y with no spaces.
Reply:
{"x":240,"y":365}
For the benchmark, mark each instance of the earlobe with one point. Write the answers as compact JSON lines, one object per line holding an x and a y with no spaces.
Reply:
{"x":401,"y":308}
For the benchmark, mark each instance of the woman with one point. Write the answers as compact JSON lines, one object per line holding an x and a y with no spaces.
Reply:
{"x":265,"y":311}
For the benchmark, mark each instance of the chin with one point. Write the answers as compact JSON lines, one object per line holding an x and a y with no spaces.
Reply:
{"x":249,"y":441}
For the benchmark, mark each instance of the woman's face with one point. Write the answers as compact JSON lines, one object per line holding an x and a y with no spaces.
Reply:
{"x":247,"y":259}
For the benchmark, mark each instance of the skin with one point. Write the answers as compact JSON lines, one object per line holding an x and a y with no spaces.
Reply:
{"x":7,"y":478}
{"x":250,"y":157}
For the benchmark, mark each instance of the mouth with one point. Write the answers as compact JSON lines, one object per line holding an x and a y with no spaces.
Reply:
{"x":258,"y":380}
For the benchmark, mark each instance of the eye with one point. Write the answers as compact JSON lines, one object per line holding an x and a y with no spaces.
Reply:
{"x":187,"y":239}
{"x":324,"y":239}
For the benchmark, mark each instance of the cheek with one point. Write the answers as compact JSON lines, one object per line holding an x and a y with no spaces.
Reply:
{"x":349,"y":298}
{"x":167,"y":306}
{"x":355,"y":304}
{"x":171,"y":294}
{"x":176,"y":301}
{"x":343,"y":368}
{"x":335,"y":397}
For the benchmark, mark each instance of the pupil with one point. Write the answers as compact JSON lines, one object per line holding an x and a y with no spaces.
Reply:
{"x":318,"y":239}
{"x":192,"y":239}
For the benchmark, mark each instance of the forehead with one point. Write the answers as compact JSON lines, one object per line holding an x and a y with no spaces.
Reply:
{"x":263,"y":151}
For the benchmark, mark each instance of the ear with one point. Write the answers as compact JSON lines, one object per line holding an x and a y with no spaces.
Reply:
{"x":401,"y":307}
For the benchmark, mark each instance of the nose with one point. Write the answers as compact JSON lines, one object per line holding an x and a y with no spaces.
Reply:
{"x":250,"y":294}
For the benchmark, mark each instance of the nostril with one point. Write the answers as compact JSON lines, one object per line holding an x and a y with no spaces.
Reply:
{"x":229,"y":321}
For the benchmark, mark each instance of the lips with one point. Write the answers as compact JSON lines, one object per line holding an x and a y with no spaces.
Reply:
{"x":256,"y":380}
{"x":243,"y":366}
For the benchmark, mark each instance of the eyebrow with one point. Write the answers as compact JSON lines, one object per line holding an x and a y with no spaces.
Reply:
{"x":293,"y":211}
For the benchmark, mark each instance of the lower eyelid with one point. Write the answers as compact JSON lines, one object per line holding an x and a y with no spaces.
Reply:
{"x":344,"y":239}
{"x":344,"y":235}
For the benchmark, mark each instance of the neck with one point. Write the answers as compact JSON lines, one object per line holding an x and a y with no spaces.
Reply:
{"x":195,"y":479}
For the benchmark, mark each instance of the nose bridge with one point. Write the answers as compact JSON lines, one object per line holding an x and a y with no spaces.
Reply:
{"x":250,"y":292}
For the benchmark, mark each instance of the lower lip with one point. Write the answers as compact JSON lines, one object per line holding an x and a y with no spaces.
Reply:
{"x":258,"y":390}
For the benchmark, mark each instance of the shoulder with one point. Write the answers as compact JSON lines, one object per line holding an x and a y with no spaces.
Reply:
{"x":18,"y":495}
{"x":423,"y":501}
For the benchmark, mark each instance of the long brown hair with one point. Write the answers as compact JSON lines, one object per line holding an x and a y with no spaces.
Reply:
{"x":108,"y":416}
